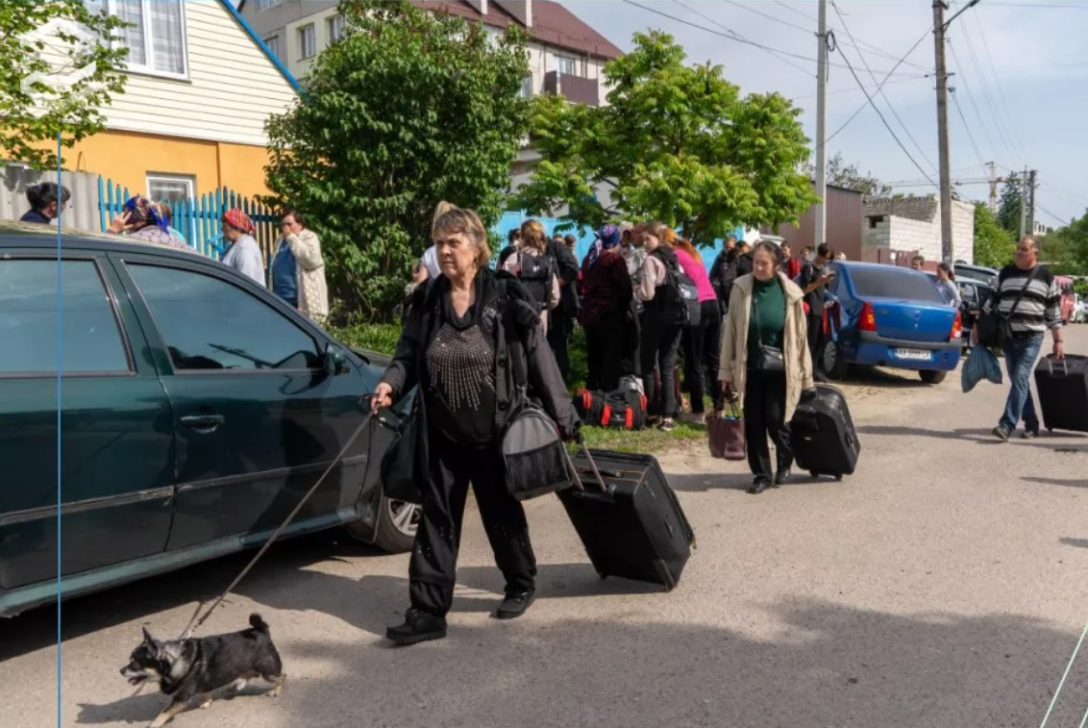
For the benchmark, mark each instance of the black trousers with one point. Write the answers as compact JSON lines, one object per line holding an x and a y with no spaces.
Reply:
{"x":433,"y":567}
{"x":631,"y":362}
{"x":702,"y":353}
{"x":815,"y":339}
{"x":606,"y":347}
{"x":661,"y":348}
{"x":765,"y":415}
{"x":559,"y":331}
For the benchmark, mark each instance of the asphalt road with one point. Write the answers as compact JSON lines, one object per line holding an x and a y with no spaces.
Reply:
{"x":942,"y":585}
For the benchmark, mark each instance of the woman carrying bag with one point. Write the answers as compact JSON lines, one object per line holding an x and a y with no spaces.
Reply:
{"x":474,"y":344}
{"x":765,"y":361}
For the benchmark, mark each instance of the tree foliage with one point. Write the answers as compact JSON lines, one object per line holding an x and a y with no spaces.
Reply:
{"x":1008,"y":206}
{"x":675,"y":143}
{"x":994,"y":245}
{"x":842,"y":174}
{"x":1068,"y":246}
{"x":58,"y":71}
{"x":409,"y":109}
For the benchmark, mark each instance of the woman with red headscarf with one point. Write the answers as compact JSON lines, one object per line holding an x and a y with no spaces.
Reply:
{"x":244,"y":255}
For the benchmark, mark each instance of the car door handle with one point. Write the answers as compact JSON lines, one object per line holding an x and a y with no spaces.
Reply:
{"x":203,"y":422}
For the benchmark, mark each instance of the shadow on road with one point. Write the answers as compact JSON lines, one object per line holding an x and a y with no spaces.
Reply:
{"x":1073,"y":483}
{"x":981,"y":435}
{"x":821,"y":664}
{"x":1081,"y":543}
{"x":883,"y":378}
{"x":705,"y":482}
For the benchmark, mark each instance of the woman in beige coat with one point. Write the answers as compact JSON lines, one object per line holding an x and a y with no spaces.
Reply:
{"x":298,"y":269}
{"x":765,"y":360}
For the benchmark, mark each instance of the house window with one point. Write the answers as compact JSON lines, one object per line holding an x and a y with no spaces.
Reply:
{"x":527,"y":87}
{"x":156,"y":36}
{"x":273,"y":44}
{"x":336,"y":28}
{"x":266,"y":4}
{"x":307,"y":42}
{"x":566,"y":65}
{"x":170,"y":187}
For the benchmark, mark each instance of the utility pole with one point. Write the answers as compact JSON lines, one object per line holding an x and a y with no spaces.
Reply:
{"x":993,"y":187}
{"x":1024,"y":204}
{"x":821,"y":126}
{"x":1031,"y":202}
{"x":940,"y":25}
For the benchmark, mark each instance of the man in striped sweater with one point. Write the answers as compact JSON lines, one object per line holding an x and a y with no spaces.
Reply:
{"x":1038,"y":309}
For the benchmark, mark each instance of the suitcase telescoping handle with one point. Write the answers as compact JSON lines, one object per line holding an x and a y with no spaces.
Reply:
{"x":592,"y":466}
{"x":1050,"y":366}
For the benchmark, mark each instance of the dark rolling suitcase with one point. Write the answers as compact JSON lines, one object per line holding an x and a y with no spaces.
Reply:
{"x":628,"y":517}
{"x":1063,"y":392}
{"x":822,"y":434}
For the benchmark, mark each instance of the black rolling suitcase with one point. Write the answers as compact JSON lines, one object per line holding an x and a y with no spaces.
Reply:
{"x":628,"y":517}
{"x":822,"y":434}
{"x":1063,"y":392}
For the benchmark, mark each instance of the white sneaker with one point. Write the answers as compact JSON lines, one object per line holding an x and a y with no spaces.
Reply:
{"x":696,"y":418}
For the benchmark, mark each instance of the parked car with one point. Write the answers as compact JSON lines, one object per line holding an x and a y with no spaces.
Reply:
{"x":1078,"y":309}
{"x":196,"y":409}
{"x":973,"y":294}
{"x":979,"y":273}
{"x":881,"y":315}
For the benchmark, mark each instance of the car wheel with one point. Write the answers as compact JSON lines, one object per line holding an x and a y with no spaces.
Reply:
{"x":398,"y":522}
{"x":930,"y":377}
{"x":832,"y":362}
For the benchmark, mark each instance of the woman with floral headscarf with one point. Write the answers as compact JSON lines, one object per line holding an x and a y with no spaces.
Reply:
{"x":142,"y":219}
{"x":606,"y":310}
{"x":244,"y":255}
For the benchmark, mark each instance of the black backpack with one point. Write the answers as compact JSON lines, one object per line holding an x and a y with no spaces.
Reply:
{"x":670,"y":299}
{"x":535,"y":273}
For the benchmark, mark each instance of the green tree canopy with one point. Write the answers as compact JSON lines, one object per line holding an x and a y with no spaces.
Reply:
{"x":409,"y":109}
{"x":675,"y":143}
{"x":842,"y":174}
{"x":1008,"y":206}
{"x":58,"y":71}
{"x":994,"y":245}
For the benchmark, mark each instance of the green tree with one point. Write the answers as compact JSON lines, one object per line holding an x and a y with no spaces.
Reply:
{"x":407,"y":110}
{"x":842,"y":174}
{"x":58,"y":71}
{"x":1008,"y":207}
{"x":1068,"y":246}
{"x":675,"y":143}
{"x":994,"y":245}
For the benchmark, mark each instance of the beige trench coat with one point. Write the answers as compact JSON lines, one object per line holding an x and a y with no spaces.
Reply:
{"x":313,"y":292}
{"x":734,"y":362}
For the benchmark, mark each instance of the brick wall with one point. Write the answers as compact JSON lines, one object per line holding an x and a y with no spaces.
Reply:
{"x":915,"y":224}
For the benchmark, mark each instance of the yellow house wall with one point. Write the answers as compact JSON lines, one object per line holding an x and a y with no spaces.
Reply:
{"x":128,"y":157}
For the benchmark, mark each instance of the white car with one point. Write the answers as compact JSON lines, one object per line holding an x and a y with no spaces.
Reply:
{"x":1079,"y":314}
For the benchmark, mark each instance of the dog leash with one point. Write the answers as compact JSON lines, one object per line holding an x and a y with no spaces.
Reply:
{"x":195,"y":623}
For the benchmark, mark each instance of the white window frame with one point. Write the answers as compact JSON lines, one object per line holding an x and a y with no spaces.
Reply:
{"x":526,"y":91}
{"x":273,"y":43}
{"x":263,"y":5}
{"x":190,"y":195}
{"x":332,"y":27}
{"x":561,"y":59}
{"x":145,"y":69}
{"x":302,"y":41}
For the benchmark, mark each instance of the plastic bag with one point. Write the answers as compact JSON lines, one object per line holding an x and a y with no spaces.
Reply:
{"x":981,"y":364}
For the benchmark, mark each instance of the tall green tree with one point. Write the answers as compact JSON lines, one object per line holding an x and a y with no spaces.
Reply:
{"x":409,"y":109}
{"x":1068,"y":246}
{"x":58,"y":71}
{"x":994,"y":245}
{"x":1008,"y":206}
{"x":675,"y":143}
{"x":841,"y":173}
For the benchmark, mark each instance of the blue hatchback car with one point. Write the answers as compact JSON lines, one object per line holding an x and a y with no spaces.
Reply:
{"x":882,"y":315}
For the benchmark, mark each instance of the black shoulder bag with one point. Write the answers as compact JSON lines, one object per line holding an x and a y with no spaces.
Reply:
{"x":995,"y":328}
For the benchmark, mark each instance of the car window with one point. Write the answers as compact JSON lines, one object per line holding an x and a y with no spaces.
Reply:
{"x":90,"y":338}
{"x":210,"y":324}
{"x":894,"y":283}
{"x":969,"y":293}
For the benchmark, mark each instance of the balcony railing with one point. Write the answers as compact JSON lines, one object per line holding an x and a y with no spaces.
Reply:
{"x":575,"y":88}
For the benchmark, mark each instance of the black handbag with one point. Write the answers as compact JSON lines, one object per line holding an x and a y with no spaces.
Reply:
{"x":400,"y":469}
{"x":771,"y":358}
{"x":995,"y":328}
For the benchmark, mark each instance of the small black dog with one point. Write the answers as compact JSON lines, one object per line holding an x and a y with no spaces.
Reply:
{"x":186,"y":668}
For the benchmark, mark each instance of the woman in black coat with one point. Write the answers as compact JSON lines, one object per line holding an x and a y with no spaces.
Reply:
{"x":468,"y":338}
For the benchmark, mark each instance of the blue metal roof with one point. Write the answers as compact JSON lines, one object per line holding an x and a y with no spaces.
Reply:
{"x":261,"y":44}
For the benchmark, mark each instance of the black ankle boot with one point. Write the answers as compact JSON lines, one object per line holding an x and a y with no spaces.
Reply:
{"x":782,"y":476}
{"x":418,"y":627}
{"x":515,"y":604}
{"x":759,"y":485}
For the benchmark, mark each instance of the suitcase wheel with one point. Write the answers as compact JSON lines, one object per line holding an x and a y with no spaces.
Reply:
{"x":838,"y":478}
{"x":814,"y":474}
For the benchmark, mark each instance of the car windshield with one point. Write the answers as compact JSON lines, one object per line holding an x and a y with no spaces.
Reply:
{"x":894,"y":283}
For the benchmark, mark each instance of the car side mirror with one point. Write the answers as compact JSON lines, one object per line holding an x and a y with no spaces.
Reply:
{"x":334,"y":360}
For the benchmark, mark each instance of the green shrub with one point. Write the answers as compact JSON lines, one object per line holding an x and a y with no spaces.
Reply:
{"x":379,"y":338}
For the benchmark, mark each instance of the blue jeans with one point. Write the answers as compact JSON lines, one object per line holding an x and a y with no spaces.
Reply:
{"x":1020,"y":356}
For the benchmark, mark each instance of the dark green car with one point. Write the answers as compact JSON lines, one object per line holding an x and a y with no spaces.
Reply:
{"x":195,"y":410}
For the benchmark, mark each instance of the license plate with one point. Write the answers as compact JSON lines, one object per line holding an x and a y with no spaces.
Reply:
{"x":913,"y":354}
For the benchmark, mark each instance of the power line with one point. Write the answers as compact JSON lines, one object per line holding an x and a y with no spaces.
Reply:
{"x":854,"y":89}
{"x":795,"y":10}
{"x":885,"y":121}
{"x":1063,"y":6}
{"x":1051,"y":214}
{"x":956,"y":103}
{"x":878,"y":88}
{"x":881,"y":90}
{"x":1006,"y":138}
{"x":730,"y":34}
{"x":971,"y":98}
{"x":1000,"y":88}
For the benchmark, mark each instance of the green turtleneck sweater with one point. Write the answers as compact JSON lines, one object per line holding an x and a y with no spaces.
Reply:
{"x":769,"y":300}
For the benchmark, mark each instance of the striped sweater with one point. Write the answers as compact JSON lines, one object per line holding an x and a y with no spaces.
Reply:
{"x":1039,"y":308}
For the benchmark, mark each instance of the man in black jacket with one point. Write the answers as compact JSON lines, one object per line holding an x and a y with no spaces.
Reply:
{"x":565,"y":314}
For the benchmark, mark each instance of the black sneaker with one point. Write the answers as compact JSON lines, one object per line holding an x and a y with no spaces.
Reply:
{"x":782,"y":476}
{"x":759,"y":485}
{"x":418,"y":627}
{"x":1001,"y":433}
{"x":514,"y":605}
{"x":1030,"y":433}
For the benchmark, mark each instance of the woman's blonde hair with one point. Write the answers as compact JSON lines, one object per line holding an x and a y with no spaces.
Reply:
{"x":685,"y":245}
{"x":441,"y":209}
{"x":467,"y":222}
{"x":533,"y":236}
{"x":662,"y":232}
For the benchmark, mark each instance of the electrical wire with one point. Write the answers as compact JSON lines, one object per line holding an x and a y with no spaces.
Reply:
{"x":1000,"y":89}
{"x":881,"y":90}
{"x":885,"y":121}
{"x":853,"y":89}
{"x":967,"y":128}
{"x":1005,"y":136}
{"x":1051,"y":214}
{"x":974,"y":105}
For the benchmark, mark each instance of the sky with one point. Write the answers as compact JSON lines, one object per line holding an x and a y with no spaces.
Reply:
{"x":1020,"y":74}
